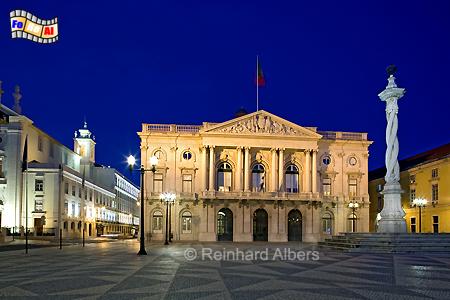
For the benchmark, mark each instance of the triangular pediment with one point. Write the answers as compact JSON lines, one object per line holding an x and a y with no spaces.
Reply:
{"x":261,"y":123}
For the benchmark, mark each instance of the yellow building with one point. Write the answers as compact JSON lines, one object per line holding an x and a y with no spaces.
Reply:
{"x":426,"y":175}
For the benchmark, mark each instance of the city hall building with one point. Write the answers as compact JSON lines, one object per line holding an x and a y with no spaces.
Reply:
{"x":257,"y":177}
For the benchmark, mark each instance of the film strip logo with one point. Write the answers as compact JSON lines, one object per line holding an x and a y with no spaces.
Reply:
{"x":27,"y":26}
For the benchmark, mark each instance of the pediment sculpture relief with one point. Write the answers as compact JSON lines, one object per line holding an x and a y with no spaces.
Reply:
{"x":260,"y":124}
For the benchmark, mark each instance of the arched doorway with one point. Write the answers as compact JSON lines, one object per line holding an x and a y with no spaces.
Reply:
{"x":260,"y":225}
{"x":294,"y":225}
{"x":225,"y":225}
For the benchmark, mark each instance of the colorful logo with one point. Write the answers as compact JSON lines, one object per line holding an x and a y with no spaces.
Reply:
{"x":27,"y":26}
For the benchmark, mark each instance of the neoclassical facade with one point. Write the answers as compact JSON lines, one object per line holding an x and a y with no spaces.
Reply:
{"x":255,"y":177}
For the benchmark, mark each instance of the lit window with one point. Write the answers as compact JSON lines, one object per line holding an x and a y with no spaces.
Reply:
{"x":351,"y":225}
{"x":224,"y":177}
{"x":292,"y":179}
{"x":326,"y":184}
{"x":326,"y":160}
{"x":186,"y":222}
{"x":412,"y":195}
{"x":352,"y":187}
{"x":39,"y":185}
{"x":187,"y":155}
{"x":258,"y":178}
{"x":157,"y":221}
{"x":38,"y":204}
{"x":412,"y":179}
{"x":187,"y":183}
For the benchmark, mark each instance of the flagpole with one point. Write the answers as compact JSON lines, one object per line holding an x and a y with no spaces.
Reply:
{"x":257,"y":83}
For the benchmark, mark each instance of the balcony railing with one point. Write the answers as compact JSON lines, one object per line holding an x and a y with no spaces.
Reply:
{"x":339,"y":135}
{"x":172,"y":128}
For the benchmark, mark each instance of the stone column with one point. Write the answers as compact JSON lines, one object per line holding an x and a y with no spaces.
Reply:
{"x":273,"y":169}
{"x":314,"y":171}
{"x":211,"y":168}
{"x":204,"y":170}
{"x":247,"y":169}
{"x":281,"y":169}
{"x":392,"y":216}
{"x":238,"y":175}
{"x":307,"y":171}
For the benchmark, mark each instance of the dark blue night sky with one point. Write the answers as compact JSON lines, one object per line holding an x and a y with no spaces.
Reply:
{"x":186,"y":62}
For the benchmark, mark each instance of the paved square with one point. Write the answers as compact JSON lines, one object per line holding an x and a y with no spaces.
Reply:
{"x":112,"y":270}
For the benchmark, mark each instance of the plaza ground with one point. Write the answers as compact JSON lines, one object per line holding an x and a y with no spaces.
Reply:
{"x":112,"y":270}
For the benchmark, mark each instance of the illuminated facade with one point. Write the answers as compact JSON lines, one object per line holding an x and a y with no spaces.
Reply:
{"x":255,"y":177}
{"x":61,"y":188}
{"x":425,"y":175}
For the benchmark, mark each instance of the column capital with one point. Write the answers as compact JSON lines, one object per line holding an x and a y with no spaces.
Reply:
{"x":281,"y":149}
{"x":307,"y":150}
{"x":247,"y":148}
{"x":273,"y":149}
{"x":239,"y":147}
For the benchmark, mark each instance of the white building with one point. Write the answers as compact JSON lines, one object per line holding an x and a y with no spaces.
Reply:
{"x":61,"y":188}
{"x":255,"y":177}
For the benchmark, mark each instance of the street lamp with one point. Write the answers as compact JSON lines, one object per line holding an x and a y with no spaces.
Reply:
{"x":353,"y":206}
{"x":168,"y":198}
{"x":420,"y":202}
{"x":153,"y":162}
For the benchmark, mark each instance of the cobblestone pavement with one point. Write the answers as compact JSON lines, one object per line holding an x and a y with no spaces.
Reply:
{"x":114,"y":271}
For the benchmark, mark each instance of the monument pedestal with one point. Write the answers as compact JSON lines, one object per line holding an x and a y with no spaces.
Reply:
{"x":392,"y":215}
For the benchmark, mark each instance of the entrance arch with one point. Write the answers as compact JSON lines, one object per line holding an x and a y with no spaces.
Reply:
{"x":295,"y":225}
{"x":260,"y":225}
{"x":225,"y":225}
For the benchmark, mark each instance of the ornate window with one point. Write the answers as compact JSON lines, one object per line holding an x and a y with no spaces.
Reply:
{"x":351,"y":225}
{"x":187,"y":183}
{"x":158,"y":183}
{"x":352,"y":187}
{"x":157,"y":220}
{"x":224,"y":175}
{"x":186,"y":222}
{"x":292,"y":179}
{"x":258,"y":172}
{"x":327,"y":223}
{"x":158,"y":154}
{"x":326,"y":186}
{"x":187,"y":155}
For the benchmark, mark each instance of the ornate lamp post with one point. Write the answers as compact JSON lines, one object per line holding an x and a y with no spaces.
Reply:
{"x":420,"y":202}
{"x":354,"y":206}
{"x":153,"y":162}
{"x":168,"y":198}
{"x":392,"y":216}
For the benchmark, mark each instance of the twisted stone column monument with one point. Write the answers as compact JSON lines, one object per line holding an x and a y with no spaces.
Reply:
{"x":392,"y":216}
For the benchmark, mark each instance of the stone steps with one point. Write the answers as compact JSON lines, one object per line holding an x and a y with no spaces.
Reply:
{"x":388,"y":243}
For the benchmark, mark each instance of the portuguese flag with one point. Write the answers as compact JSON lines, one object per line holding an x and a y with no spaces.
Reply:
{"x":259,"y":75}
